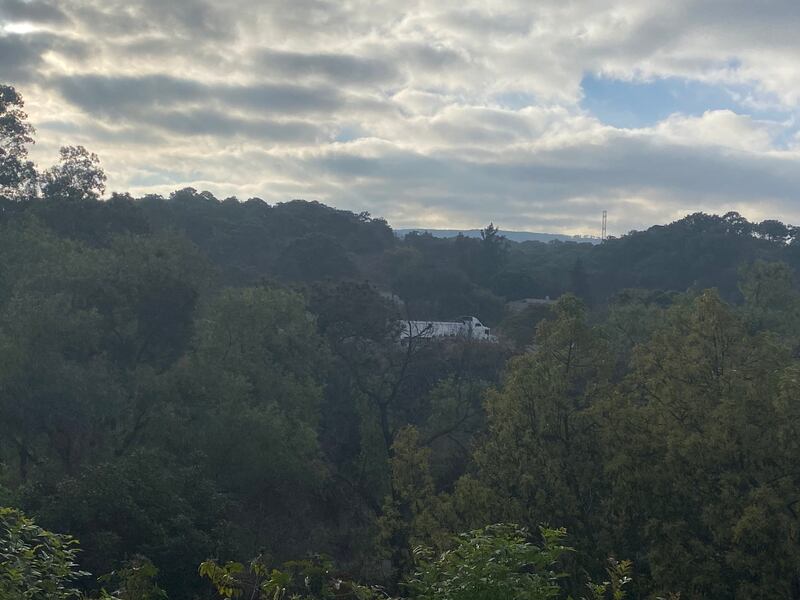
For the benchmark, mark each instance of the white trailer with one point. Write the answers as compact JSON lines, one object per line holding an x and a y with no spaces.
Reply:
{"x":467,"y":327}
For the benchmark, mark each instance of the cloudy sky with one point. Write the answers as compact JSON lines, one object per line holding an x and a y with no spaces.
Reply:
{"x":536,"y":115}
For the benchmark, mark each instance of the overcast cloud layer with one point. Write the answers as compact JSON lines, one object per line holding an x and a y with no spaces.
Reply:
{"x":535,"y":115}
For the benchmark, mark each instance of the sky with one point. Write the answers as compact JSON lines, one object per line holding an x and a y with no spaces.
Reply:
{"x":534,"y":115}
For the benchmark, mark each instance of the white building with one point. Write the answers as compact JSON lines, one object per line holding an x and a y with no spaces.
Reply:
{"x":467,"y":327}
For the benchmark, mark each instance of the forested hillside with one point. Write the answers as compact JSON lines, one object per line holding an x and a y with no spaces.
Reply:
{"x":188,"y":380}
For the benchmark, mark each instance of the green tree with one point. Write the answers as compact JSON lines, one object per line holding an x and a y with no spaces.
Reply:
{"x":248,"y":399}
{"x":494,"y":252}
{"x":520,"y":327}
{"x":540,"y":453}
{"x":409,"y":513}
{"x":497,"y":561}
{"x":134,"y":580}
{"x":579,"y":281}
{"x":773,"y":230}
{"x":77,"y":177}
{"x":315,"y":257}
{"x":312,"y":579}
{"x":17,"y":174}
{"x":633,"y":316}
{"x":771,"y":300}
{"x":151,"y":504}
{"x":36,"y":564}
{"x":737,"y":224}
{"x":86,"y":336}
{"x":707,"y":403}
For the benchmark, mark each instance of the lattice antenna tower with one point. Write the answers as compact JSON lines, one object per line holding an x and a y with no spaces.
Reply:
{"x":603,"y":235}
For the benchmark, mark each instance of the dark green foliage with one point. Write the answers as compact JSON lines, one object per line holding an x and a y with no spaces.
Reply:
{"x":579,"y":284}
{"x":93,"y":223}
{"x":252,"y":240}
{"x":314,"y":257}
{"x":520,"y":327}
{"x":148,"y":504}
{"x":427,"y":276}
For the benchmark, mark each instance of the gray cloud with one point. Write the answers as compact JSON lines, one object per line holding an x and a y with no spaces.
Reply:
{"x":342,"y":68}
{"x":36,"y":12}
{"x":89,"y":132}
{"x":115,"y":95}
{"x":195,"y":18}
{"x":283,"y":97}
{"x":215,"y":123}
{"x":22,"y":56}
{"x":121,"y":95}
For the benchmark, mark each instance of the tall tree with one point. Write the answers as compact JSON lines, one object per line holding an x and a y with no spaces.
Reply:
{"x":538,"y":459}
{"x":78,"y":176}
{"x":702,"y":474}
{"x":494,"y":252}
{"x":17,"y":173}
{"x":248,"y":398}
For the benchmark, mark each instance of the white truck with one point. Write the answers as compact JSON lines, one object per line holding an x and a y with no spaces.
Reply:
{"x":467,"y":327}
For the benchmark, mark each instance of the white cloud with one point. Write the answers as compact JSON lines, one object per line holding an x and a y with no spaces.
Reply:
{"x":453,"y":112}
{"x":723,"y":128}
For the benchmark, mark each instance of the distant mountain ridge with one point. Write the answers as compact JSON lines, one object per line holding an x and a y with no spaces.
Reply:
{"x":514,"y":236}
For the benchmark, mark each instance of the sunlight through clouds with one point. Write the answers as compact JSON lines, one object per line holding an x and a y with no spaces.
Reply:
{"x":426,"y":113}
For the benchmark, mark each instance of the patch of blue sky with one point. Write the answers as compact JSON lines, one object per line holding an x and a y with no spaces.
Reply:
{"x":786,"y":137}
{"x":348,"y":133}
{"x":632,"y":104}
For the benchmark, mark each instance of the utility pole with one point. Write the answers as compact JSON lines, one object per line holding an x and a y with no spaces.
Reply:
{"x":603,"y":235}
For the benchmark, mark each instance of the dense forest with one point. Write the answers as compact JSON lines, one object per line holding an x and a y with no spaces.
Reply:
{"x":209,"y":397}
